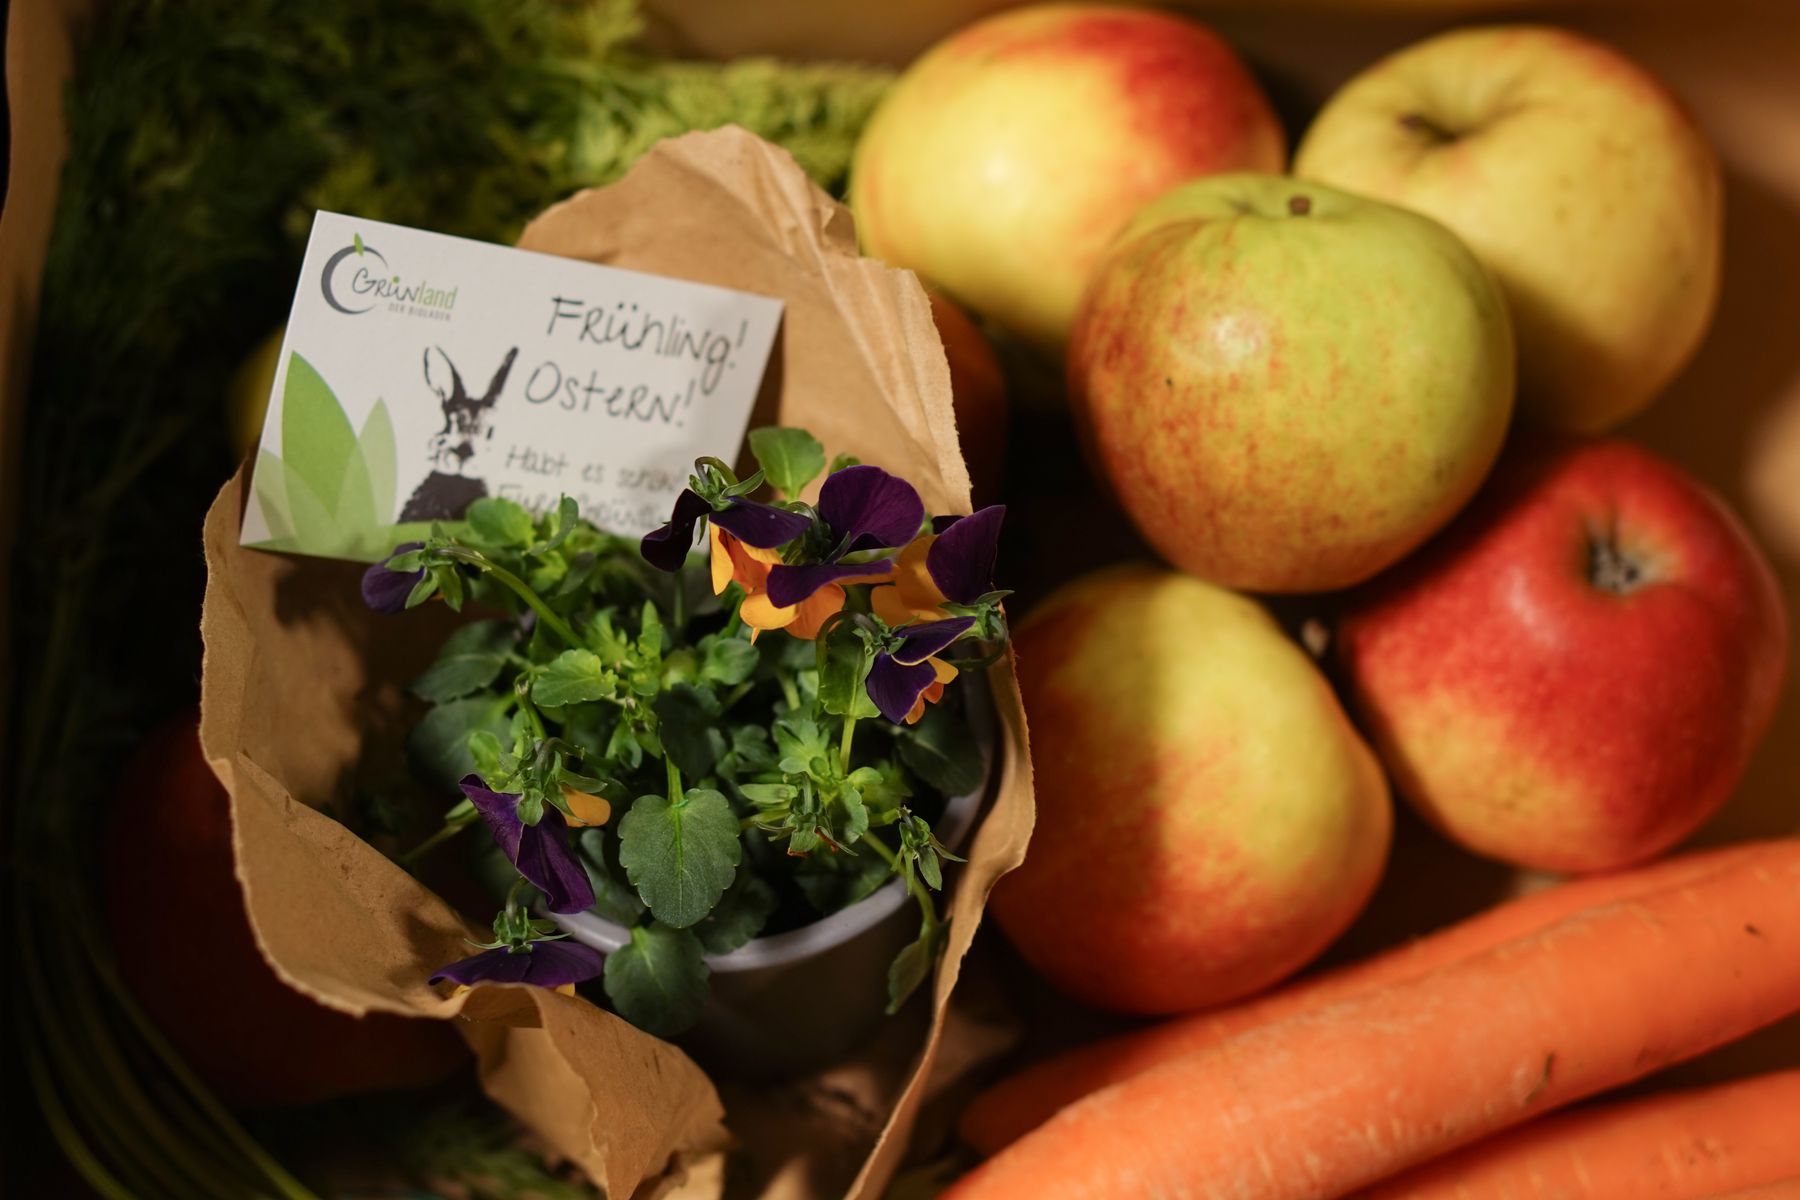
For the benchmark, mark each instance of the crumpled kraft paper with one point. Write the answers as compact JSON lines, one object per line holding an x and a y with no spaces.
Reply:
{"x":302,"y":696}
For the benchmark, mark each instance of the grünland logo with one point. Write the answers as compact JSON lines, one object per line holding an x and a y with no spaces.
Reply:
{"x":357,"y":279}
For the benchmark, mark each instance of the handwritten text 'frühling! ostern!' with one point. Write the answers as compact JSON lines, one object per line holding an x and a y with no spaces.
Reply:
{"x":635,"y":330}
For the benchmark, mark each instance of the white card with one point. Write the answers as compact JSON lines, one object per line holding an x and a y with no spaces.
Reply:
{"x":420,"y":372}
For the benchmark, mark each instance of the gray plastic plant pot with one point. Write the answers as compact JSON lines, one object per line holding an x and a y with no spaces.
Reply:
{"x":794,"y":1002}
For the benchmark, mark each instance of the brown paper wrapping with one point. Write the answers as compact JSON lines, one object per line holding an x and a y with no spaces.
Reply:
{"x":302,"y":695}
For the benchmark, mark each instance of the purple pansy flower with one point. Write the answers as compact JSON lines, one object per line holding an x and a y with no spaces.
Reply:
{"x":961,"y":565}
{"x":865,"y":508}
{"x":898,"y":677}
{"x":961,"y":560}
{"x":386,"y":590}
{"x":750,"y":521}
{"x":539,"y":852}
{"x":548,"y":964}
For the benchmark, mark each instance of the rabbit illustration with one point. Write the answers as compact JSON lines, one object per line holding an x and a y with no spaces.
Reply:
{"x":447,"y":492}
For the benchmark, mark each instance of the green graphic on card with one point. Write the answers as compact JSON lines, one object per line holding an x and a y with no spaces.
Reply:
{"x":334,"y":492}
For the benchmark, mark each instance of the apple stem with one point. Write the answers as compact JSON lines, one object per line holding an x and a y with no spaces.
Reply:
{"x":1299,"y":206}
{"x":1611,"y":569}
{"x":1420,"y":123}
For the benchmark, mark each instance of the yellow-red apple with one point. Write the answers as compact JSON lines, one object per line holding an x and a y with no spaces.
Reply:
{"x":1288,"y":387}
{"x":1569,"y":170}
{"x":1207,"y":821}
{"x":1003,"y":160}
{"x":1572,"y":677}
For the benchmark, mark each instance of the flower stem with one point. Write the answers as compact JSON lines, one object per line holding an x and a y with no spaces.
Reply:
{"x":844,"y":745}
{"x":678,"y":609}
{"x":915,"y":885}
{"x":519,"y":588}
{"x":450,"y":829}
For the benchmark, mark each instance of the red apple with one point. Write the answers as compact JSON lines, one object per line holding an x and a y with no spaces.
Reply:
{"x":1572,"y":677}
{"x":1208,"y":820}
{"x":978,"y":390}
{"x":1001,"y":162}
{"x":185,"y":949}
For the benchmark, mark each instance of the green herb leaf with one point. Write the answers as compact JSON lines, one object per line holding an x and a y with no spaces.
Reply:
{"x":687,"y":722}
{"x":572,"y":677}
{"x":728,"y":660}
{"x":499,"y":522}
{"x":840,"y":882}
{"x":681,"y":857}
{"x":740,"y":915}
{"x":489,"y":756}
{"x":471,"y":659}
{"x":657,"y":980}
{"x":439,"y":744}
{"x":942,"y":751}
{"x":843,"y":678}
{"x":912,"y":966}
{"x":791,"y":458}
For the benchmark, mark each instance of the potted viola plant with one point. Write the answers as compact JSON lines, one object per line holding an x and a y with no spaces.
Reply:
{"x":738,"y":765}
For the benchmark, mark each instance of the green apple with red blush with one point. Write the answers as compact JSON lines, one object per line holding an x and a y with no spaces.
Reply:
{"x":1574,"y":675}
{"x":1002,"y":160}
{"x":1288,"y":387}
{"x":1207,"y":818}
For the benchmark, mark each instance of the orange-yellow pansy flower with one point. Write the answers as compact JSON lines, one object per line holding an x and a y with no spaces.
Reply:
{"x":912,"y":595}
{"x":934,"y":691}
{"x":586,"y":809}
{"x":747,"y":566}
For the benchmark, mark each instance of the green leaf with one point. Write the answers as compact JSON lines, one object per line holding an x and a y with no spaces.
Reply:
{"x":681,"y":857}
{"x":488,"y":754}
{"x":562,"y":521}
{"x":748,"y":754}
{"x":769,"y":793}
{"x":800,"y":742}
{"x":841,"y":882}
{"x":570,"y":678}
{"x":912,"y":966}
{"x":497,"y":521}
{"x":791,"y":458}
{"x":317,"y":441}
{"x":657,"y":981}
{"x":624,"y":746}
{"x":472,"y":658}
{"x":856,"y":815}
{"x":439,"y":744}
{"x":650,"y":632}
{"x":740,"y":915}
{"x":843,"y":677}
{"x":688,"y":723}
{"x":941,"y":750}
{"x":729,"y":660}
{"x":613,"y":897}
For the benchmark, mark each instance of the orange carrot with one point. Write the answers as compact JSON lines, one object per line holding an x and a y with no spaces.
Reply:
{"x":1015,"y":1106}
{"x":1675,"y":1146}
{"x":1325,"y":1102}
{"x":1784,"y":1189}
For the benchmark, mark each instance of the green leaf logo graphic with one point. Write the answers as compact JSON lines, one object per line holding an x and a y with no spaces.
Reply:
{"x":332,"y":489}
